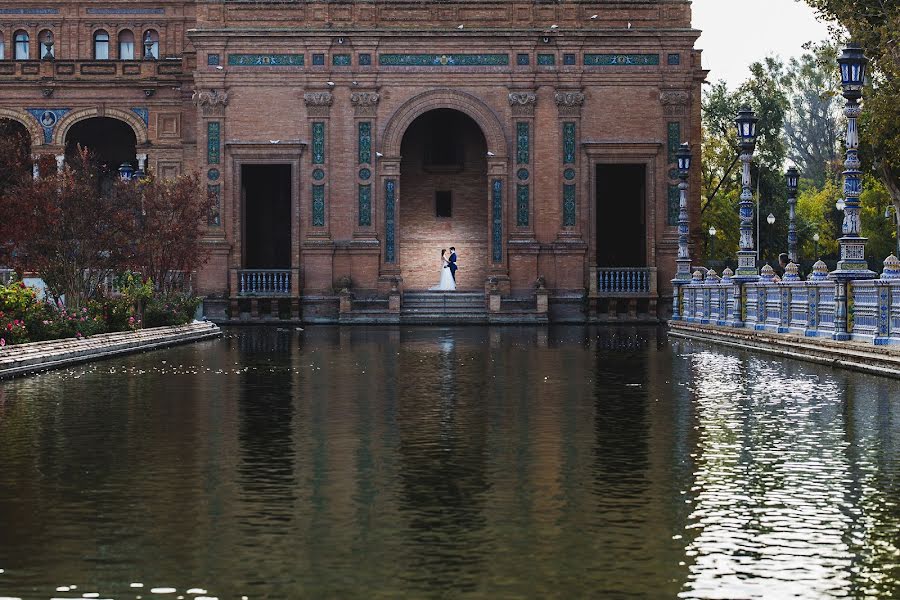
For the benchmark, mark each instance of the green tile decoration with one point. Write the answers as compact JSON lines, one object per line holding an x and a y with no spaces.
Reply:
{"x":569,"y":205}
{"x":213,"y":142}
{"x":522,"y":143}
{"x":674,"y":139}
{"x":569,"y":143}
{"x":318,"y":205}
{"x":365,"y":205}
{"x":522,"y":198}
{"x":265,"y":60}
{"x":365,"y":143}
{"x":443,"y":60}
{"x":318,"y":143}
{"x":620,"y":60}
{"x":673,"y":206}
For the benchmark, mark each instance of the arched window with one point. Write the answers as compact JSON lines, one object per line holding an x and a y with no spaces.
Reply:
{"x":2,"y":46}
{"x":20,"y":40}
{"x":101,"y":45}
{"x":46,"y":49}
{"x":126,"y":45}
{"x":151,"y":44}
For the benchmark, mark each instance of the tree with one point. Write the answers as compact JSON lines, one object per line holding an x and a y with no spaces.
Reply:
{"x":71,"y":234}
{"x":874,"y":25}
{"x":173,"y":213}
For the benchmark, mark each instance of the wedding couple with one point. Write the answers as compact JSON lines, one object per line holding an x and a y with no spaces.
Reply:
{"x":448,"y":271}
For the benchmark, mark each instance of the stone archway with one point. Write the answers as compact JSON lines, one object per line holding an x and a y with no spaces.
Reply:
{"x":31,"y":126}
{"x":483,"y":233}
{"x":136,"y":123}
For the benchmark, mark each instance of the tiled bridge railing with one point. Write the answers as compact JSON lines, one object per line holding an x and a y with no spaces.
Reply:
{"x":796,"y":306}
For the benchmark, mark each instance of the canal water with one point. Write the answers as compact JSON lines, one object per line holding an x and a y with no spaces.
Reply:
{"x":567,"y":462}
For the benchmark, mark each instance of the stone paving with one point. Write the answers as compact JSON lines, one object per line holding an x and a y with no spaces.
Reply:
{"x":23,"y":359}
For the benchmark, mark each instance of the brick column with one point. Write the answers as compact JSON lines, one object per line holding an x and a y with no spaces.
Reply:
{"x":365,"y":105}
{"x":389,"y":221}
{"x":569,"y":103}
{"x":318,"y":109}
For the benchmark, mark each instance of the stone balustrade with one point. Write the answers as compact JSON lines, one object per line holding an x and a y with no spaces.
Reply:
{"x":793,"y":305}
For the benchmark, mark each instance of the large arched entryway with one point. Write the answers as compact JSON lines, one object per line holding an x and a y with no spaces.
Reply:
{"x":111,"y":141}
{"x":15,"y":152}
{"x":443,"y":182}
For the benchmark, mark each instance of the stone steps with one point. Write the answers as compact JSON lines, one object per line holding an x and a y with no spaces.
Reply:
{"x":22,"y":359}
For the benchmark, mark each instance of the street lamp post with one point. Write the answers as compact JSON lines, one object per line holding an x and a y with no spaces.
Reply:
{"x":126,"y":171}
{"x":852,"y":264}
{"x":792,"y":178}
{"x":712,"y":242}
{"x":816,"y":246}
{"x":746,"y":124}
{"x":683,"y":262}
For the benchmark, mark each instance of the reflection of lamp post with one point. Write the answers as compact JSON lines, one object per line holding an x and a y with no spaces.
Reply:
{"x":792,"y":178}
{"x":746,"y":125}
{"x":712,"y":243}
{"x":816,"y":245}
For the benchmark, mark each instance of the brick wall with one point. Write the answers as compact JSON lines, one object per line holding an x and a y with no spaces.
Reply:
{"x":422,"y":234}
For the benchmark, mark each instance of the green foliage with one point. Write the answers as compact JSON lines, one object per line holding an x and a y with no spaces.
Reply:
{"x":816,"y":214}
{"x":177,"y":309}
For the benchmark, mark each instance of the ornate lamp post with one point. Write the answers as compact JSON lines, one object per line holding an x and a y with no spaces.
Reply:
{"x":816,"y":245}
{"x":746,"y":125}
{"x":126,"y":171}
{"x":792,"y":178}
{"x":853,"y":263}
{"x":683,"y":262}
{"x":712,"y":242}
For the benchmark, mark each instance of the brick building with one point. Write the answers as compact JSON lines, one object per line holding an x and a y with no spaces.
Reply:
{"x":357,"y":138}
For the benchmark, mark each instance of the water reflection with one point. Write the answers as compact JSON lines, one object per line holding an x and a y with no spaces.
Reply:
{"x":470,"y":463}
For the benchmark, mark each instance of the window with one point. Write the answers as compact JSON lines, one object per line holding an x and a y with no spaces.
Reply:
{"x":21,"y":45}
{"x":101,"y":45}
{"x":151,"y":45}
{"x":126,"y":45}
{"x":46,"y":49}
{"x":443,"y":205}
{"x":2,"y":46}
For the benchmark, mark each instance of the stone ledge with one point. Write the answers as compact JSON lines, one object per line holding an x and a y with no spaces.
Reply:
{"x":878,"y":360}
{"x":25,"y":359}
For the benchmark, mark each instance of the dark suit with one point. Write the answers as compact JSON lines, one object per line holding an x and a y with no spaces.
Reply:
{"x":452,"y":265}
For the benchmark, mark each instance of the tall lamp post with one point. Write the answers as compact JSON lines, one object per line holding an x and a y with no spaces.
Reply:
{"x":816,"y":246}
{"x":746,"y":125}
{"x":712,"y":242}
{"x":683,"y":262}
{"x":792,"y":178}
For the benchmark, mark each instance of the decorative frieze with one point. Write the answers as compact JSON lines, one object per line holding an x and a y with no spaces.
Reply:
{"x":364,"y":103}
{"x":29,"y":11}
{"x":340,"y":60}
{"x":674,"y":102}
{"x":143,"y":113}
{"x":47,"y":118}
{"x":569,"y":213}
{"x":365,"y":204}
{"x":673,"y":139}
{"x":318,"y":104}
{"x":523,"y":143}
{"x":569,"y":143}
{"x":673,"y":205}
{"x":523,"y":192}
{"x":210,"y":99}
{"x":620,"y":60}
{"x":364,"y":143}
{"x":318,"y":143}
{"x":125,"y":11}
{"x":569,"y":103}
{"x":214,"y":219}
{"x":522,"y":103}
{"x":318,"y":205}
{"x":443,"y":60}
{"x":265,"y":60}
{"x":569,"y":159}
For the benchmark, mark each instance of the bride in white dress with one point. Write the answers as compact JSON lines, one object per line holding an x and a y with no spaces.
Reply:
{"x":447,"y":284}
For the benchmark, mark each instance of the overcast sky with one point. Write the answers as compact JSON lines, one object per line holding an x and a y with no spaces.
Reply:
{"x":782,"y":27}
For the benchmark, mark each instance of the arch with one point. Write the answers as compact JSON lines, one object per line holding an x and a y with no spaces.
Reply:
{"x":30,"y":124}
{"x":443,"y":98}
{"x":135,"y":122}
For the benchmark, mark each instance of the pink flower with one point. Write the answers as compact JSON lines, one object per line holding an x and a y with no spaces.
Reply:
{"x":2,"y":342}
{"x":78,"y":335}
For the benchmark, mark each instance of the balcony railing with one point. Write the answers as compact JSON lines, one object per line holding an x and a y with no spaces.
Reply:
{"x":264,"y":282}
{"x":623,"y":281}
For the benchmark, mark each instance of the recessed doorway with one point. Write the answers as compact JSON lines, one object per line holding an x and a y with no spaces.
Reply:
{"x":621,"y":215}
{"x":266,"y":201}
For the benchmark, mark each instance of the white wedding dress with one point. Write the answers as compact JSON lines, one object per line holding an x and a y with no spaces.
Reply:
{"x":447,"y":284}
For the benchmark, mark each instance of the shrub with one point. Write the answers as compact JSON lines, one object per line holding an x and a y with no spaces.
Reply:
{"x":177,"y":309}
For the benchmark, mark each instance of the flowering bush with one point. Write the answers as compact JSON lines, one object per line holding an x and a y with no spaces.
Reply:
{"x":177,"y":309}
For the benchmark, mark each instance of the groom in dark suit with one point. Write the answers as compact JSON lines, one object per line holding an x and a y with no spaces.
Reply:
{"x":452,"y":263}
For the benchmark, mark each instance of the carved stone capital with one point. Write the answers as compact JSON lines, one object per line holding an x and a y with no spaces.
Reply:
{"x":569,"y":102}
{"x":364,"y":103}
{"x":318,"y":104}
{"x":674,"y":102}
{"x":211,"y":102}
{"x":522,"y":103}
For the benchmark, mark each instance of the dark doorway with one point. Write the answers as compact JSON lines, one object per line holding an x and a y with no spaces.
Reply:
{"x":15,"y":153}
{"x":266,"y":201}
{"x":621,"y":216}
{"x":111,"y":142}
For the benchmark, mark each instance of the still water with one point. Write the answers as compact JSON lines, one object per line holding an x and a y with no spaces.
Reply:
{"x":566,"y":463}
